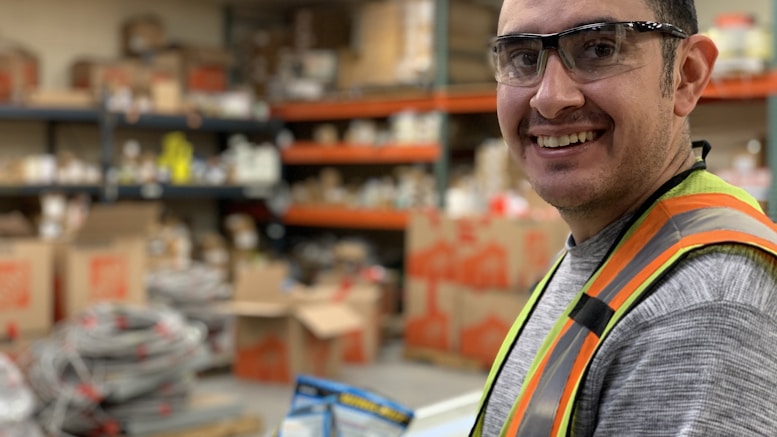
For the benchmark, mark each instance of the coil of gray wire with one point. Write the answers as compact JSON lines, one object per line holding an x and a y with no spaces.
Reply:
{"x":193,"y":291}
{"x":112,"y":364}
{"x":17,"y":402}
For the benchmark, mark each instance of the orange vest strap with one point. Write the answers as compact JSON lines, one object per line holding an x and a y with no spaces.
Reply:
{"x":670,"y":230}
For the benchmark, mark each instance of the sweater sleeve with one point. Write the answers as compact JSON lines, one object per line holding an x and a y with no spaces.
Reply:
{"x":697,"y":358}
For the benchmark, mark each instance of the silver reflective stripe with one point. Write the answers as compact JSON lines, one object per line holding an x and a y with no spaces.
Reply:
{"x":691,"y":222}
{"x":542,"y":409}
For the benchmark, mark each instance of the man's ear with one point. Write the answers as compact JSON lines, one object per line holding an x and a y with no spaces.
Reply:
{"x":697,"y":55}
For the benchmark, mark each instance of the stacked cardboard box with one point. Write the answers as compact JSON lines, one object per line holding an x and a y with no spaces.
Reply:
{"x":167,"y":74}
{"x":19,"y":73}
{"x":26,"y":297}
{"x":106,"y":260}
{"x":468,"y":278}
{"x":394,"y":44}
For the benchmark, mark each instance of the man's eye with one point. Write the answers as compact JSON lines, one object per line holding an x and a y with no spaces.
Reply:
{"x":602,"y":50}
{"x":524,"y":58}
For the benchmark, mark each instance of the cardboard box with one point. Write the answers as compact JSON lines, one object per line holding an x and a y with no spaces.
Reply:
{"x":201,"y":68}
{"x":363,"y":298}
{"x":477,"y":254}
{"x":429,"y":313}
{"x":262,"y":282}
{"x":98,"y":76}
{"x":505,"y":254}
{"x":106,"y":260}
{"x":484,"y":319}
{"x":105,"y":75}
{"x":394,"y":44}
{"x":19,"y":73}
{"x":26,"y":282}
{"x":429,"y":293}
{"x":275,"y":342}
{"x":143,"y":34}
{"x":283,"y":330}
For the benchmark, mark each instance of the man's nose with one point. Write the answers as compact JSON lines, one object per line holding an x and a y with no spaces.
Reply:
{"x":557,"y":90}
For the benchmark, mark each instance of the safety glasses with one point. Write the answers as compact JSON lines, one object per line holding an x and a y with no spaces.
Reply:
{"x":590,"y":52}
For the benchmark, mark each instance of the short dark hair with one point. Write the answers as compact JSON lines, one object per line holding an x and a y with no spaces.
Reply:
{"x":681,"y":13}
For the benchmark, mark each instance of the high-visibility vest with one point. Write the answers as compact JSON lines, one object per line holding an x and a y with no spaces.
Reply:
{"x":701,"y":210}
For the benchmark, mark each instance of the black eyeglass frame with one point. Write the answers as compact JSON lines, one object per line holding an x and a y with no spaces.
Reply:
{"x":551,"y":40}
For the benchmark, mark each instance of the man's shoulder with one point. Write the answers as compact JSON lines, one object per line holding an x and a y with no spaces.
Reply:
{"x":743,"y":256}
{"x":734,"y":273}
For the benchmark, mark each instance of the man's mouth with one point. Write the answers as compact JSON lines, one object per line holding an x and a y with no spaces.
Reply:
{"x":566,"y":140}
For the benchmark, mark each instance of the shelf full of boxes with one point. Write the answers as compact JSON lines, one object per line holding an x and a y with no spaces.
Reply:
{"x":155,"y":84}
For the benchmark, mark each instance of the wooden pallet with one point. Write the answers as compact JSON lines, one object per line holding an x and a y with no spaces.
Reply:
{"x":228,"y":420}
{"x":443,"y":358}
{"x":235,"y":427}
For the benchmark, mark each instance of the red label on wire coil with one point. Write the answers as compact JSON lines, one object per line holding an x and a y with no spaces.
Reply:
{"x":90,"y":392}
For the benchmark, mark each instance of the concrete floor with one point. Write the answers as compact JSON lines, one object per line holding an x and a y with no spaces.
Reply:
{"x":417,"y":385}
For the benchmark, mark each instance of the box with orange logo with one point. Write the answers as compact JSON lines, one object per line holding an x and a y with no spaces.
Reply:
{"x":431,"y":263}
{"x":484,"y":318}
{"x":106,"y":260}
{"x":283,"y":329}
{"x":480,"y":254}
{"x":275,"y":342}
{"x":508,"y":254}
{"x":26,"y":281}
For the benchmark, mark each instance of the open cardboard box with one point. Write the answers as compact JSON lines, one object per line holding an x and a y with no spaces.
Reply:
{"x":283,"y":331}
{"x":275,"y":342}
{"x":360,"y":345}
{"x":106,"y":259}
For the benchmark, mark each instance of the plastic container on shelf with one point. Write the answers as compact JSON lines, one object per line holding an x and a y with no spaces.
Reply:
{"x":744,"y":46}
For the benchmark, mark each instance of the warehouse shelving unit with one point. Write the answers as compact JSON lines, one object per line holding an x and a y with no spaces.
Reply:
{"x":108,"y":122}
{"x":448,"y":100}
{"x":451,"y":102}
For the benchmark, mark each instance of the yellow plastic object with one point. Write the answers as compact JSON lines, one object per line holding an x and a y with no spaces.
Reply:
{"x":177,"y":156}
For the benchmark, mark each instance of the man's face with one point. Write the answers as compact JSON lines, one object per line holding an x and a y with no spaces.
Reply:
{"x":629,"y":128}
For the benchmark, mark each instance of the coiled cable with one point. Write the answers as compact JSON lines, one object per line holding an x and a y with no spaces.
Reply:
{"x":17,"y":402}
{"x":193,"y":291}
{"x":113,"y":359}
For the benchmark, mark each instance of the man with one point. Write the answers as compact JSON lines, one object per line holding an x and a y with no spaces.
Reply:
{"x":660,"y":317}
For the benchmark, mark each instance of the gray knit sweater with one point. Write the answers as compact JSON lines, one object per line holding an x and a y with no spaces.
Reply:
{"x":696,"y":358}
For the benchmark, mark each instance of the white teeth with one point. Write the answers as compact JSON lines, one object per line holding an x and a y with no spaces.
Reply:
{"x":565,"y":140}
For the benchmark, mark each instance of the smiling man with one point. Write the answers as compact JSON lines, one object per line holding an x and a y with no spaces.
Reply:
{"x":660,"y":316}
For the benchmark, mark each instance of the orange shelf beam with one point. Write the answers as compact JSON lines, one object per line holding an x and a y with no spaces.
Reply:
{"x":346,"y":109}
{"x":340,"y":217}
{"x":756,"y":87}
{"x":344,"y":153}
{"x":465,"y":102}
